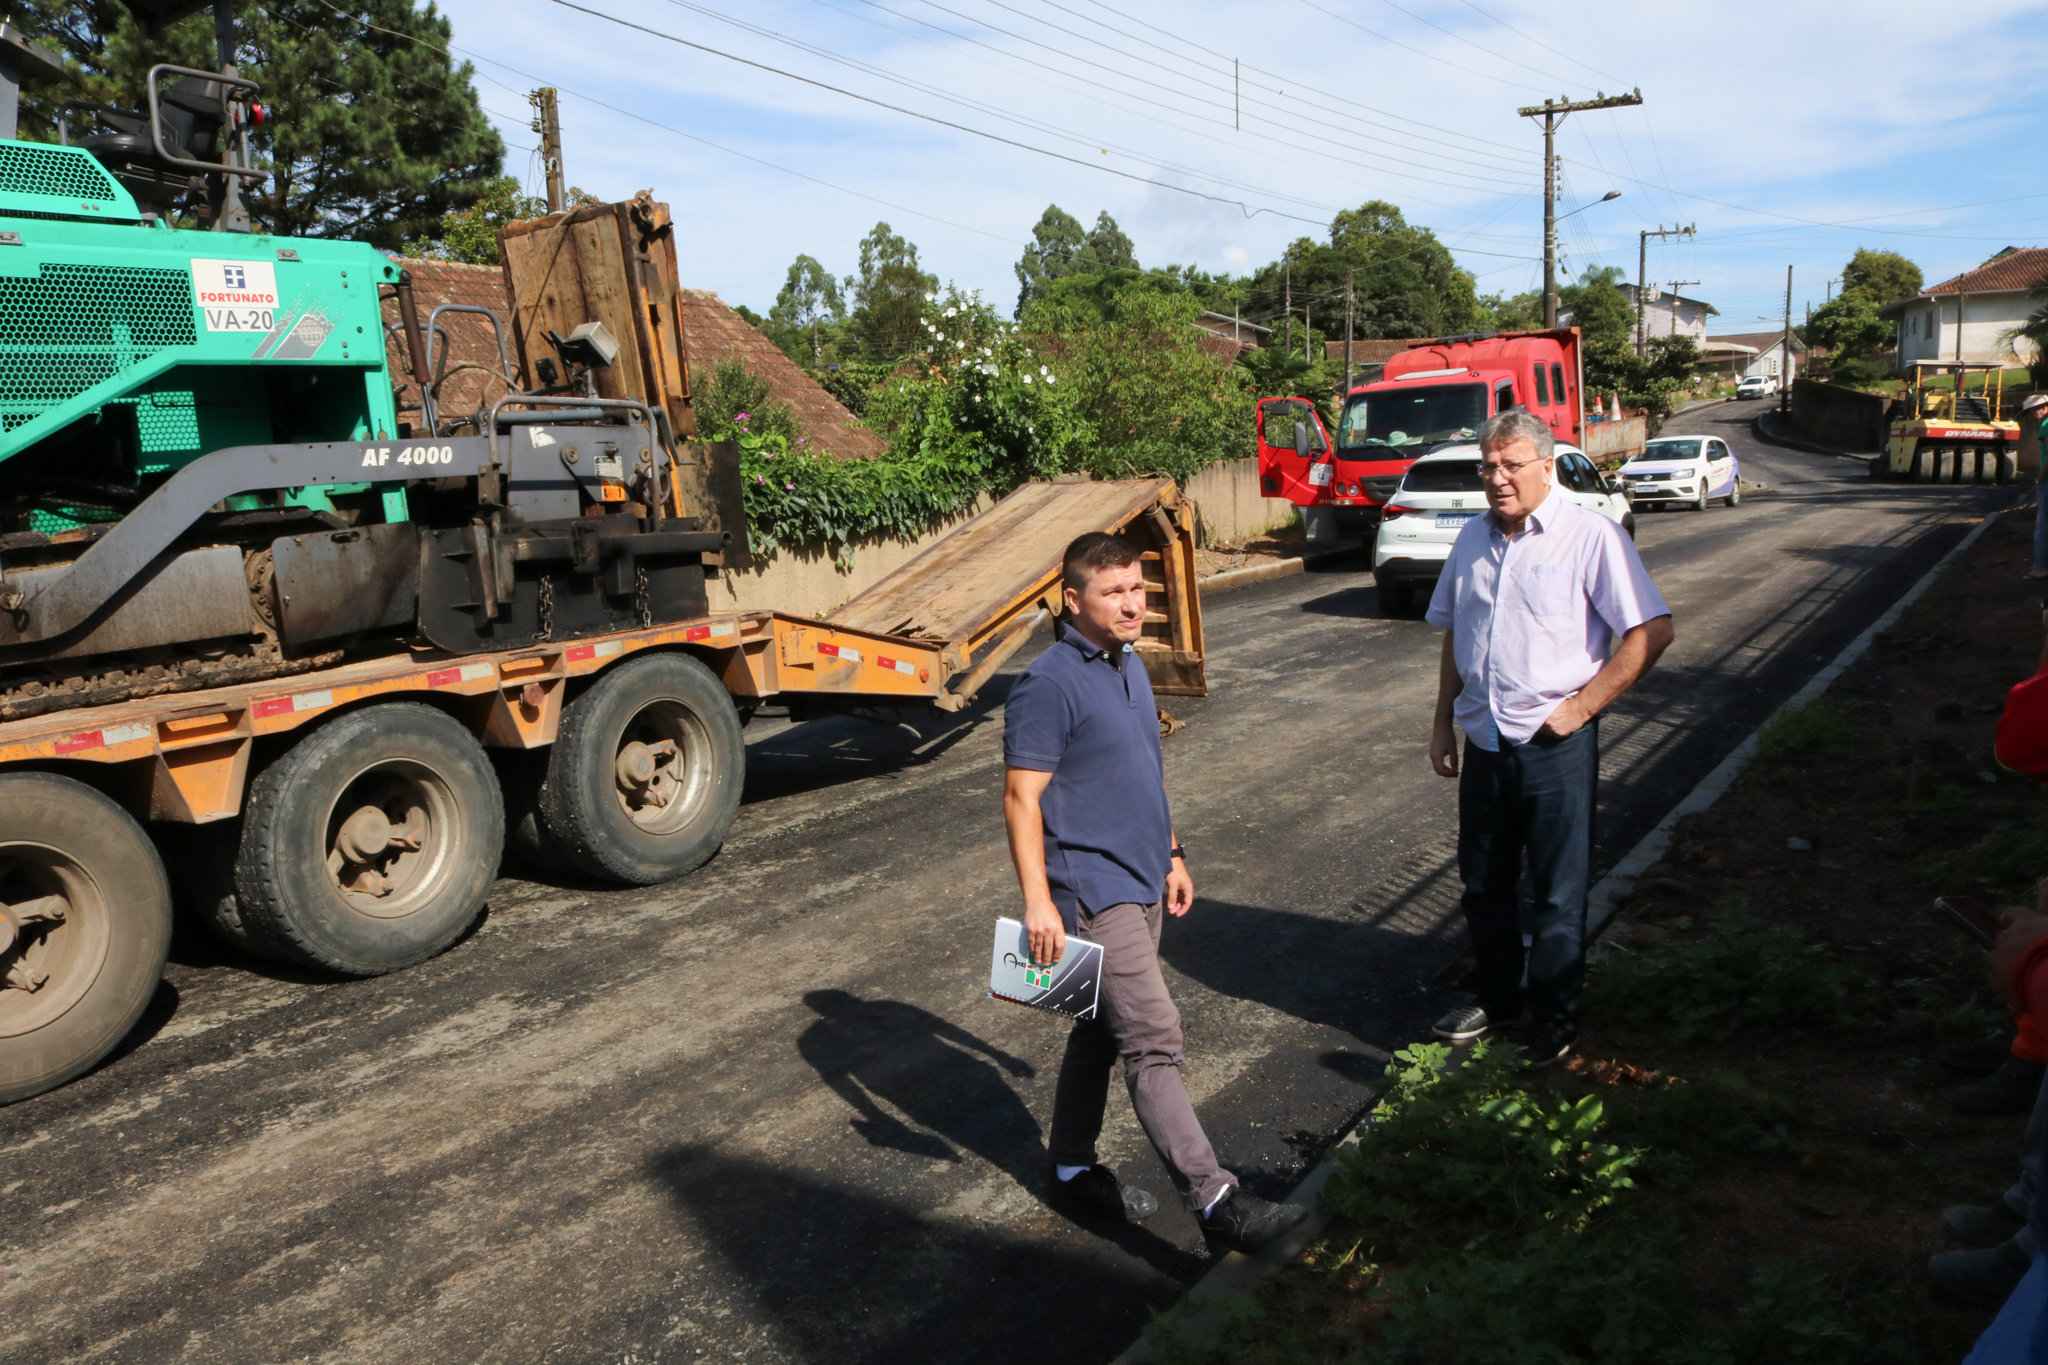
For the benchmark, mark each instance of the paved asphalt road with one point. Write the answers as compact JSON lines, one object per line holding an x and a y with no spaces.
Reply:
{"x":767,"y":1113}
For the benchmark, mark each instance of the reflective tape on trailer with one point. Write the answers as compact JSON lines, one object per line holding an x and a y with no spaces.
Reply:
{"x":852,"y":656}
{"x":467,"y":673}
{"x":715,"y":631}
{"x":286,"y":706}
{"x":101,"y":739}
{"x":895,"y":665}
{"x":603,"y":649}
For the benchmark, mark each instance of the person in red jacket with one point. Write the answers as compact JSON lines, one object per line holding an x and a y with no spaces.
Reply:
{"x":2019,"y":973}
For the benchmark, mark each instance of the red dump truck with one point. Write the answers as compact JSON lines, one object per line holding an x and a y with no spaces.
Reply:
{"x":1435,"y":392}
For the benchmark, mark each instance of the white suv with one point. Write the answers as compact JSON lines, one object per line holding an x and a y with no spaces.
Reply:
{"x":1439,"y":494}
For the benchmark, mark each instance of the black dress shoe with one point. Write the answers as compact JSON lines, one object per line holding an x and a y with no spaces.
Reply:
{"x":2012,"y":1089}
{"x":1098,"y":1191}
{"x":1980,"y":1056}
{"x":1247,"y":1222}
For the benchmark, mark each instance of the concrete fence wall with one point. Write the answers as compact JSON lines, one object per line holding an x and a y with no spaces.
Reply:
{"x":1232,"y":510}
{"x":1844,"y":418}
{"x":807,"y":580}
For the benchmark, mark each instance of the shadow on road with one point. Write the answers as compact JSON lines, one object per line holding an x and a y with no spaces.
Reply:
{"x":928,"y":1068}
{"x":1322,"y":971}
{"x":945,"y":1080}
{"x":845,"y":1277}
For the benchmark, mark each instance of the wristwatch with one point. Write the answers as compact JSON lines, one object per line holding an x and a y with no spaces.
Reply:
{"x":1178,"y":852}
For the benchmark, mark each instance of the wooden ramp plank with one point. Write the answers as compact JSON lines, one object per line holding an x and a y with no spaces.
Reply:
{"x":964,"y":582}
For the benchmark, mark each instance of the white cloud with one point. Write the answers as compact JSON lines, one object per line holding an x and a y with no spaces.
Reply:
{"x":1796,"y":109}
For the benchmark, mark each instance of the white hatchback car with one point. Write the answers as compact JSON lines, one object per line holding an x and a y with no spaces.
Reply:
{"x":1683,"y":471}
{"x":1440,"y":493}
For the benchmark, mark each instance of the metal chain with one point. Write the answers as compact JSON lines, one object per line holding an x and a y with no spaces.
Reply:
{"x":642,"y":602}
{"x":547,"y":607}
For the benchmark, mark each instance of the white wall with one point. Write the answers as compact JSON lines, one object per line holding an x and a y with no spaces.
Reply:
{"x":1986,"y":318}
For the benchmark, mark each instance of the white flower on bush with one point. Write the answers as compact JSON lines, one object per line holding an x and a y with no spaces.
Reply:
{"x":1027,"y":379}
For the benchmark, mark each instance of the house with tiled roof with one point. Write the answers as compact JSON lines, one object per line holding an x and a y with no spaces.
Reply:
{"x":1751,"y":355}
{"x":465,"y":345}
{"x":716,"y":333}
{"x":1973,"y":312}
{"x":472,"y":376}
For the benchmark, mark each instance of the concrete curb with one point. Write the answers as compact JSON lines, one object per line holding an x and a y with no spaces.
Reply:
{"x":1232,"y":579}
{"x":1600,"y":906}
{"x":1239,"y":1273}
{"x":1769,"y":437}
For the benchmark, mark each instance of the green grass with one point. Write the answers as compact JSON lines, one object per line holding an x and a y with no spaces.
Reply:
{"x":1817,"y":726}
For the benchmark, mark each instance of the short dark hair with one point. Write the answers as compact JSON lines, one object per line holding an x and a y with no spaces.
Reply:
{"x":1093,"y":552}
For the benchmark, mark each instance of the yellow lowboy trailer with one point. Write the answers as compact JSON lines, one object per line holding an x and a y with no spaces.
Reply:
{"x":352,"y":818}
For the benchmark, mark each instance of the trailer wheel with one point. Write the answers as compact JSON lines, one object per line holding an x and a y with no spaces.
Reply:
{"x":2008,"y":464}
{"x":645,"y":774}
{"x":85,"y":923}
{"x":371,"y":843}
{"x":520,"y":774}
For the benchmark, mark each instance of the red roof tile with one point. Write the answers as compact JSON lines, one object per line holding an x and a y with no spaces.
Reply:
{"x":2023,"y":269}
{"x":472,"y":376}
{"x":714,"y":332}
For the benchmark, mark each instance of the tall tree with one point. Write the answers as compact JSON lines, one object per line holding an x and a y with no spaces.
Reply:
{"x":887,"y":294}
{"x":810,"y":299}
{"x":1882,"y":276}
{"x":1407,"y":282}
{"x":1060,"y":249}
{"x":371,"y":131}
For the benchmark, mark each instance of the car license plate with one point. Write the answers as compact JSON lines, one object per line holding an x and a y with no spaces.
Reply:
{"x":1646,"y":488}
{"x":1454,"y":518}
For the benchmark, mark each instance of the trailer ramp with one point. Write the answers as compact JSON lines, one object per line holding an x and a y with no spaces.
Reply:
{"x":983,"y":590}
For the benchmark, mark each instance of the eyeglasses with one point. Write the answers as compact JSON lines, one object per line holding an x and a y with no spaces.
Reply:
{"x":1508,"y":467}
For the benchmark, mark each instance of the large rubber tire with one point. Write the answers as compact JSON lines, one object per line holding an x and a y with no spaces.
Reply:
{"x":611,"y":828}
{"x":300,"y":894}
{"x":101,"y":962}
{"x":1699,"y":504}
{"x":1734,"y":498}
{"x":1947,"y":465}
{"x":1923,"y":465}
{"x":2008,"y":464}
{"x":201,"y":861}
{"x":520,"y":774}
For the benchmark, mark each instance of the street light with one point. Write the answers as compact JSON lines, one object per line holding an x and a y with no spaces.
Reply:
{"x":1550,"y":256}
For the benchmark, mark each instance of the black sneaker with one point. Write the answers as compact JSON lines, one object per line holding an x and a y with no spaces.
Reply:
{"x":1981,"y":1225}
{"x":1462,"y":1025}
{"x":1984,"y":1277}
{"x":2012,"y":1089}
{"x":1545,"y":1045}
{"x":1246,"y":1222}
{"x":1098,"y":1191}
{"x":1980,"y":1056}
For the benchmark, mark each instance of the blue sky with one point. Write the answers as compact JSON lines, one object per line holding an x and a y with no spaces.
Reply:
{"x":1790,"y":133}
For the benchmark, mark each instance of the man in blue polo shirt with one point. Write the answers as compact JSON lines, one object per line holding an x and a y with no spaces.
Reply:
{"x":1084,"y":796}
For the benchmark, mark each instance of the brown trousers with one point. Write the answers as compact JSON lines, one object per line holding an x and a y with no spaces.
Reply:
{"x":1136,"y":1022}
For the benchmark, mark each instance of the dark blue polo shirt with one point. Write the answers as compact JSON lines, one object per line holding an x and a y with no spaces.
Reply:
{"x":1087,"y":717}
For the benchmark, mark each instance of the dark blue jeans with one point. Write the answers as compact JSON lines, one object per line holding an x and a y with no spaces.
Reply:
{"x":1536,"y":797}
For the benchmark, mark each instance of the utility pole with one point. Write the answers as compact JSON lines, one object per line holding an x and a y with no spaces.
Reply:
{"x":1308,"y":332}
{"x":548,"y":123}
{"x":1785,"y":389}
{"x":1642,"y":263}
{"x":1831,"y":289}
{"x":1677,"y":285}
{"x":1552,"y":112}
{"x":1350,"y":314}
{"x":1287,"y":297}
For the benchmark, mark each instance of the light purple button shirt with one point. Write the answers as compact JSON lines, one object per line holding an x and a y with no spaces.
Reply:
{"x":1534,"y":618}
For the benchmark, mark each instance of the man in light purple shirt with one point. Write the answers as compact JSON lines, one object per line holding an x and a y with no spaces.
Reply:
{"x":1548,"y":616}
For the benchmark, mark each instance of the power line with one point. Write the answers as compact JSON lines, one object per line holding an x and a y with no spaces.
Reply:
{"x":666,"y":128}
{"x":1122,"y":72}
{"x":1540,"y":43}
{"x":1483,"y":51}
{"x":1430,"y":56}
{"x":1246,"y":209}
{"x":1328,"y":96}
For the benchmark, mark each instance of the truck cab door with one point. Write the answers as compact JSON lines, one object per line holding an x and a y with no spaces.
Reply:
{"x":1301,"y":477}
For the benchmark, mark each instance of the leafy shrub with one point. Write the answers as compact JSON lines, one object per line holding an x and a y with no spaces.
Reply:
{"x":1468,"y":1140}
{"x":1814,"y":727}
{"x":732,"y":402}
{"x":1704,"y":1121}
{"x":1744,"y":976}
